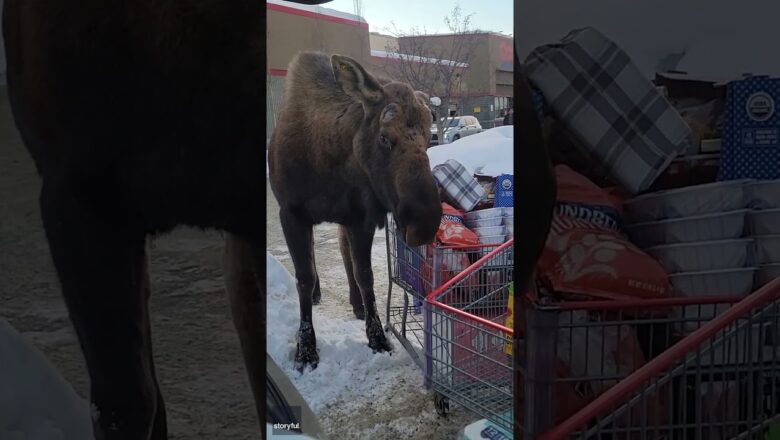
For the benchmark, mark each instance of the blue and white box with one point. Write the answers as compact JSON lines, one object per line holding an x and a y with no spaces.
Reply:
{"x":751,"y":130}
{"x":504,"y":190}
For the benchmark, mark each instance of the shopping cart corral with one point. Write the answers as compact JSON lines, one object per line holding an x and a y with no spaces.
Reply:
{"x":676,"y":368}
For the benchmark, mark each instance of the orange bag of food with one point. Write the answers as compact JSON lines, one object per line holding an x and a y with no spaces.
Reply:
{"x":582,"y":258}
{"x":452,"y":229}
{"x":587,"y":254}
{"x":578,"y":197}
{"x":453,"y":232}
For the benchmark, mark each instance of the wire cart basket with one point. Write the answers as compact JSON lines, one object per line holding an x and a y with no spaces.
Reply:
{"x":418,"y":271}
{"x":417,"y":324}
{"x":681,"y":368}
{"x":469,"y":356}
{"x":671,"y":368}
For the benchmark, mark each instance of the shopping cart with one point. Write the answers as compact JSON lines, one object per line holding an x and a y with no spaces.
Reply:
{"x":683,"y":368}
{"x":417,"y":271}
{"x":469,"y":345}
{"x":677,"y":368}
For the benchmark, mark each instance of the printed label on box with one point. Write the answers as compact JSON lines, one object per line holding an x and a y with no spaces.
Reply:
{"x":760,"y":137}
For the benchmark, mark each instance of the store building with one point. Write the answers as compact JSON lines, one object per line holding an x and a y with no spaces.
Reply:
{"x":486,"y":86}
{"x":293,"y":27}
{"x":489,"y":76}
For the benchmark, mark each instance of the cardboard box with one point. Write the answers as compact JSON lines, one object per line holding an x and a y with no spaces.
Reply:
{"x":505,"y":191}
{"x":751,"y":135}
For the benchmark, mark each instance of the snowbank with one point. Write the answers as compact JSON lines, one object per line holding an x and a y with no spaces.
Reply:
{"x":489,"y":152}
{"x":348,"y":370}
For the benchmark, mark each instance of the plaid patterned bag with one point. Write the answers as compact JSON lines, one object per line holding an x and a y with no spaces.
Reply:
{"x":459,"y":184}
{"x":618,"y":116}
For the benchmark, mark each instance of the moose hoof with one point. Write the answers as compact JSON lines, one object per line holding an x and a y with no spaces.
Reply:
{"x":360,"y":312}
{"x":306,"y":352}
{"x":377,"y":340}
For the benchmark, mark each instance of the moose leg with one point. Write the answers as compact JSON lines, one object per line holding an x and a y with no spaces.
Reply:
{"x":299,"y":236}
{"x":160,"y":424}
{"x":245,"y":291}
{"x":355,"y":298}
{"x":100,"y":264}
{"x":316,"y":296}
{"x":360,"y":240}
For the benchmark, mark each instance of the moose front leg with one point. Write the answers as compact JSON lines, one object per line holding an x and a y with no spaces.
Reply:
{"x":299,"y":234}
{"x":360,"y":240}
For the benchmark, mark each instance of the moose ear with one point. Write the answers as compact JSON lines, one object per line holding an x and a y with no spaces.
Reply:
{"x":423,"y":97}
{"x":355,"y":81}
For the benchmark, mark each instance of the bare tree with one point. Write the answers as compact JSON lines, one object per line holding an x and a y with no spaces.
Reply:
{"x":432,"y":64}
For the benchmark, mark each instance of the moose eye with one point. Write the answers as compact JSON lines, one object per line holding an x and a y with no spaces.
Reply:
{"x":384,"y":141}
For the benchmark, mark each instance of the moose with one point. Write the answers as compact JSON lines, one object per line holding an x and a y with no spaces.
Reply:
{"x":141,"y":117}
{"x":349,"y":148}
{"x":144,"y":116}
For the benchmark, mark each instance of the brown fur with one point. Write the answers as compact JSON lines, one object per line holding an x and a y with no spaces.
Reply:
{"x":142,"y":116}
{"x":536,"y":195}
{"x":349,"y":148}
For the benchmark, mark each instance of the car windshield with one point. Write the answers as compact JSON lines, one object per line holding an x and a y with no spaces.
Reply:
{"x":454,"y":122}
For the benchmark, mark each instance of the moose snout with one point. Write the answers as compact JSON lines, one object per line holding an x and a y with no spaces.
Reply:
{"x":420,"y":223}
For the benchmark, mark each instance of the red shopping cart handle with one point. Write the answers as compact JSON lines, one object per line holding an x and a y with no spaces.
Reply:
{"x":431,"y":298}
{"x":635,"y":380}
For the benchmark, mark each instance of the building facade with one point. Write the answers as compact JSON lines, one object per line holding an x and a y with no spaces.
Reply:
{"x":489,"y":77}
{"x":486,"y":81}
{"x":292,"y":28}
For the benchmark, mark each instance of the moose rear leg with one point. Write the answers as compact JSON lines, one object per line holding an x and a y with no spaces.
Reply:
{"x":246,"y":290}
{"x":100,"y":263}
{"x":360,"y":240}
{"x":316,"y":296}
{"x":355,"y":298}
{"x":299,"y":236}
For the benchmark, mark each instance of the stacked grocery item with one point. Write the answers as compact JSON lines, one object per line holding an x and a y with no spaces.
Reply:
{"x":492,"y":225}
{"x":484,"y":203}
{"x":764,"y":225}
{"x":698,"y":235}
{"x":477,"y":216}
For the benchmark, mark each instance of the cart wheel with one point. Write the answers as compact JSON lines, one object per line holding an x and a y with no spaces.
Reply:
{"x":442,"y":404}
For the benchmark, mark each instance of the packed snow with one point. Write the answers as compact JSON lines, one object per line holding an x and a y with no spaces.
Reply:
{"x":489,"y":153}
{"x":348,"y":370}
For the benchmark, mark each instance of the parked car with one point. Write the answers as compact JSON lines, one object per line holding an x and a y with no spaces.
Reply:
{"x":456,"y":127}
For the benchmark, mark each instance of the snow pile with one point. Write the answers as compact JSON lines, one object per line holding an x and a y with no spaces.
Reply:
{"x":348,"y":370}
{"x":489,"y":152}
{"x":36,"y":403}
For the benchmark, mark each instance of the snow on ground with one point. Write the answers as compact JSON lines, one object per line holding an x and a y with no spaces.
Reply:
{"x":355,"y":393}
{"x":348,"y":369}
{"x":489,"y":152}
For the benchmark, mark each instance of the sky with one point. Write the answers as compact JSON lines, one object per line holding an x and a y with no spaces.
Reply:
{"x":490,"y":15}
